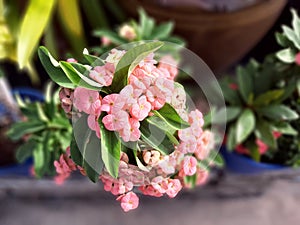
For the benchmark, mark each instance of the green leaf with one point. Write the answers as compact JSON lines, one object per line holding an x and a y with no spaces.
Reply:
{"x":12,"y":16}
{"x":245,"y":125}
{"x":264,"y":132}
{"x":112,"y":36}
{"x":146,"y":25}
{"x":283,"y":40}
{"x":93,"y":60}
{"x":18,"y":130}
{"x":254,"y":151}
{"x":226,"y":115}
{"x":245,"y":83}
{"x":278,"y":112}
{"x":50,"y":39}
{"x":296,"y":23}
{"x":110,"y":149}
{"x":230,"y":95}
{"x":215,"y":158}
{"x":25,"y":150}
{"x":171,"y":117}
{"x":286,"y":55}
{"x":162,"y":31}
{"x":285,"y":128}
{"x":41,"y":114}
{"x":190,"y":180}
{"x":88,"y":145}
{"x":70,"y":72}
{"x":268,"y":97}
{"x":52,"y":68}
{"x":39,"y":159}
{"x":292,"y":36}
{"x":156,"y":138}
{"x":219,"y":161}
{"x":161,"y":124}
{"x":129,"y":61}
{"x":231,"y":138}
{"x":75,"y":152}
{"x":33,"y":24}
{"x":79,"y":78}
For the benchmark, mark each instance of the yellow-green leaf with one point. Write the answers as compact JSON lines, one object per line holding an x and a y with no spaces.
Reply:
{"x":34,"y":23}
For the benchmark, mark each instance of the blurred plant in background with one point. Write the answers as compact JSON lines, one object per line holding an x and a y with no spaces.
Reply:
{"x":133,"y":31}
{"x":263,"y":104}
{"x":45,"y":132}
{"x":290,"y":56}
{"x":24,"y":23}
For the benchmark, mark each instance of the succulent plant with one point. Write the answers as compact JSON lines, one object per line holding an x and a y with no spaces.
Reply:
{"x":45,"y":132}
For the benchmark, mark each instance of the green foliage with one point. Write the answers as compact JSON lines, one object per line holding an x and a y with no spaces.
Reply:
{"x":156,"y":137}
{"x":255,"y":104}
{"x":23,"y":26}
{"x":32,"y":28}
{"x":168,"y":114}
{"x":245,"y":125}
{"x":129,"y":61}
{"x":264,"y":98}
{"x":158,"y":132}
{"x":290,"y":40}
{"x":85,"y":149}
{"x":72,"y":75}
{"x":47,"y":132}
{"x":110,"y":149}
{"x":145,"y":29}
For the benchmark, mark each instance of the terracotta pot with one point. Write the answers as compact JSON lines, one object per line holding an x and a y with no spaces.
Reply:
{"x":219,"y":38}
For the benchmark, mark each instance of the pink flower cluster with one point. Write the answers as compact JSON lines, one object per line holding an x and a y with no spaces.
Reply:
{"x":149,"y":88}
{"x":64,"y":167}
{"x":150,"y":182}
{"x":156,"y":180}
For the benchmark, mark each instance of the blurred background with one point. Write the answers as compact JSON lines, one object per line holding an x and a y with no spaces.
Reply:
{"x":224,"y":33}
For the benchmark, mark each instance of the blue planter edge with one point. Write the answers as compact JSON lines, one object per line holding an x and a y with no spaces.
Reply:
{"x":239,"y":164}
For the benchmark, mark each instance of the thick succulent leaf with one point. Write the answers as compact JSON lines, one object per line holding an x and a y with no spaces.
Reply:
{"x":296,"y":23}
{"x":18,"y":130}
{"x":25,"y":150}
{"x":286,"y":55}
{"x":226,"y":115}
{"x":278,"y":112}
{"x":268,"y":97}
{"x":171,"y":117}
{"x":129,"y":61}
{"x":245,"y":83}
{"x":292,"y":36}
{"x":52,"y":68}
{"x":89,"y":146}
{"x":264,"y":132}
{"x":245,"y":125}
{"x":156,"y":138}
{"x":162,"y":31}
{"x":110,"y":149}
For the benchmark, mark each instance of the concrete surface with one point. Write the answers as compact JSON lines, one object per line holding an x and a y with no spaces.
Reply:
{"x":280,"y":204}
